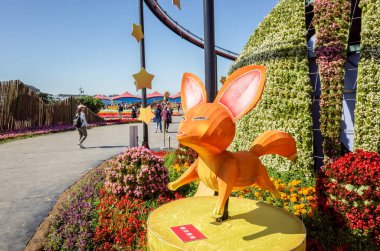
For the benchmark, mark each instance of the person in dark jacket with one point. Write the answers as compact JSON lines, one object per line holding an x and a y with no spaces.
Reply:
{"x":119,"y":111}
{"x":134,"y":112}
{"x":167,"y":117}
{"x":157,"y":117}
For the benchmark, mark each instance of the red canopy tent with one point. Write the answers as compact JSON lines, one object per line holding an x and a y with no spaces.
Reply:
{"x":127,"y":98}
{"x":100,"y":96}
{"x":153,"y":97}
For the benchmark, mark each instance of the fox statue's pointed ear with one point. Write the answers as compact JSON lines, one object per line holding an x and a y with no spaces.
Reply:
{"x":242,"y":90}
{"x":192,"y":91}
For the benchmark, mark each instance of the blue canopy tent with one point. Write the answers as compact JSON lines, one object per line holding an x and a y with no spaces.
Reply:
{"x":175,"y":98}
{"x":127,"y":98}
{"x":154,"y":97}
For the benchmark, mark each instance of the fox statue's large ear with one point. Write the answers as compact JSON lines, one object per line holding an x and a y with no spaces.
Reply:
{"x":192,"y":91}
{"x":242,"y":90}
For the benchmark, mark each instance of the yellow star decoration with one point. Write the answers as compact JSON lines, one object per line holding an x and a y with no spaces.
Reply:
{"x":222,"y":80}
{"x":146,"y":115}
{"x":137,"y":32}
{"x":143,"y":79}
{"x":177,"y":3}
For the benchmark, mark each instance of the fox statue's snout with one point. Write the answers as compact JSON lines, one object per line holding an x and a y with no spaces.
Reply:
{"x":209,"y":128}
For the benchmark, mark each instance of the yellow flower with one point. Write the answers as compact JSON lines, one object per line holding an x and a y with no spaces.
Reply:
{"x":294,"y":182}
{"x":302,"y":205}
{"x":310,"y":198}
{"x":293,"y":199}
{"x":294,"y":195}
{"x":257,"y":194}
{"x":303,"y":211}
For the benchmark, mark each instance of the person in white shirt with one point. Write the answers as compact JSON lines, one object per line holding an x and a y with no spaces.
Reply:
{"x":82,"y":128}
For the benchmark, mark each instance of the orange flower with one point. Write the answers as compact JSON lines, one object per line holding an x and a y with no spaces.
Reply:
{"x":310,"y":198}
{"x":293,"y":199}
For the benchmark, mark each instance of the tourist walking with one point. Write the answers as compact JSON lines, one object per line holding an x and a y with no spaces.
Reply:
{"x":167,"y":117}
{"x":157,"y":117}
{"x":120,"y":110}
{"x":81,"y":124}
{"x":134,"y":112}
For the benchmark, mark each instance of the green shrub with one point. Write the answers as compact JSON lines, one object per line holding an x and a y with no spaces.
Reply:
{"x":94,"y":104}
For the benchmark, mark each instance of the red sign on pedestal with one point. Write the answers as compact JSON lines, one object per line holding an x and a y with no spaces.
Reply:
{"x":188,"y":233}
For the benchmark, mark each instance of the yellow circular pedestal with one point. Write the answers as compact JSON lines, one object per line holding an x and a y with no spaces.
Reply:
{"x":252,"y":225}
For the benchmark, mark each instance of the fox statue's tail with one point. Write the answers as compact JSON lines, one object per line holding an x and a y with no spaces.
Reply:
{"x":275,"y":142}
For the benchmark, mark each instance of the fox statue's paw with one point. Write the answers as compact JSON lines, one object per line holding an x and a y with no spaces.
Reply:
{"x":218,"y":212}
{"x":171,"y":186}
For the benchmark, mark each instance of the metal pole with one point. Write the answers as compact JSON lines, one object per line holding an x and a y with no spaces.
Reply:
{"x":210,"y":66}
{"x":142,"y":60}
{"x":209,"y":41}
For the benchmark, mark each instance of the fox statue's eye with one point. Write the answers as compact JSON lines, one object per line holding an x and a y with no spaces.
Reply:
{"x":183,"y":118}
{"x":200,"y":118}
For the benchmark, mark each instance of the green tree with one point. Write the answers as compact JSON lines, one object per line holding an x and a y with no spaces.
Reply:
{"x":94,"y":104}
{"x":46,"y":97}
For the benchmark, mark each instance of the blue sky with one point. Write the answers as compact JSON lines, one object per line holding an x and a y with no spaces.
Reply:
{"x":61,"y":45}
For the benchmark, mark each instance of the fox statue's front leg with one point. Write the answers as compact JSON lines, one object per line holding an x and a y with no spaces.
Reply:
{"x":187,"y":177}
{"x":226,"y":181}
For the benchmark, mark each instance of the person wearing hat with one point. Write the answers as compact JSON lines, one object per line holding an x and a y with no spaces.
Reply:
{"x":81,"y":124}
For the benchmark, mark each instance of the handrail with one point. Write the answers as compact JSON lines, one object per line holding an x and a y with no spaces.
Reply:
{"x":183,"y":32}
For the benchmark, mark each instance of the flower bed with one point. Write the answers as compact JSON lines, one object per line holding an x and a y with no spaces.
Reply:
{"x":99,"y":218}
{"x":136,"y":173}
{"x":350,"y":190}
{"x":74,"y":226}
{"x":114,"y":216}
{"x":122,"y":220}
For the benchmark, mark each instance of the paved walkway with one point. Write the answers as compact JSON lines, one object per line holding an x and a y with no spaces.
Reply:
{"x":35,"y":171}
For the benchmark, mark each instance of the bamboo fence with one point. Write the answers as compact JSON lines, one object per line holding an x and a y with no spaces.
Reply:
{"x":21,"y":108}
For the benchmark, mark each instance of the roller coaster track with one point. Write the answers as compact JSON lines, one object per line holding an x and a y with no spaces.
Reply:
{"x":183,"y":32}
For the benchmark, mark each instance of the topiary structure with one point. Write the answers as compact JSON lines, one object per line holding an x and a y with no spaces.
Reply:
{"x":279,"y":43}
{"x":367,"y":111}
{"x":332,"y":21}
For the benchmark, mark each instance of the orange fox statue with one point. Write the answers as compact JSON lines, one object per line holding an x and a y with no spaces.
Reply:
{"x":209,"y":129}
